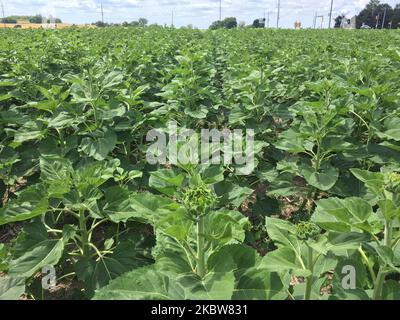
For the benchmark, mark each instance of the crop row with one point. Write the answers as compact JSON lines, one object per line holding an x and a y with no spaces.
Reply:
{"x":318,"y":218}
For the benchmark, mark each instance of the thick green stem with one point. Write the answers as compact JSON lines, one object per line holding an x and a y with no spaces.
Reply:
{"x":95,"y":114}
{"x":84,"y":234}
{"x":201,"y":264}
{"x":313,"y":192}
{"x":309,"y":280}
{"x":380,"y":279}
{"x":319,"y":156}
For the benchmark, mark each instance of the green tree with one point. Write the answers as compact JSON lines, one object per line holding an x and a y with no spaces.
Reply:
{"x":373,"y":15}
{"x":143,"y":22}
{"x":56,"y":20}
{"x":100,"y":24}
{"x":338,"y":21}
{"x":228,"y":23}
{"x":9,"y":21}
{"x":217,"y":25}
{"x":36,"y":19}
{"x":396,"y":17}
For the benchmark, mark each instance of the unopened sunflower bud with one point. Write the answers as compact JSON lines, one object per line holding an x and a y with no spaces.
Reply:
{"x":307,"y":230}
{"x":392,"y":182}
{"x":199,"y":199}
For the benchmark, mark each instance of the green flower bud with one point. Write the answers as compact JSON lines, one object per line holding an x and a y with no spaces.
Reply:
{"x":392,"y":182}
{"x":307,"y":230}
{"x":199,"y":200}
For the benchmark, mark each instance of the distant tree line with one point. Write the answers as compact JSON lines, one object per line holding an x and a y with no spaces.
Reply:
{"x":231,"y":23}
{"x":228,"y":23}
{"x":39,"y":19}
{"x":31,"y":19}
{"x":9,"y":20}
{"x":374,"y":16}
{"x":142,"y":22}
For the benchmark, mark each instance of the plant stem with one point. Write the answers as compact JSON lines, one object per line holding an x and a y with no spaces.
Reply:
{"x":388,"y":234}
{"x":380,"y":279}
{"x":309,"y":280}
{"x":201,"y":265}
{"x":84,"y":234}
{"x":117,"y":236}
{"x":128,"y":149}
{"x":369,"y":266}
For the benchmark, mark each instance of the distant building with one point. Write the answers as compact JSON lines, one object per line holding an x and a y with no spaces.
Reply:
{"x":259,"y":23}
{"x":49,"y":23}
{"x":349,"y":23}
{"x":365,"y":26}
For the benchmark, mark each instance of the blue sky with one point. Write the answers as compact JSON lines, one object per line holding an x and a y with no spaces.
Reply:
{"x":199,"y":13}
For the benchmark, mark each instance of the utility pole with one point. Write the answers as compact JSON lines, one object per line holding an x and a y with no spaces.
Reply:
{"x":4,"y":17}
{"x":172,"y":19}
{"x":102,"y":14}
{"x":315,"y":20}
{"x":269,"y":13}
{"x":220,"y":10}
{"x":384,"y":18}
{"x":330,"y":14}
{"x":279,"y":14}
{"x":377,"y":21}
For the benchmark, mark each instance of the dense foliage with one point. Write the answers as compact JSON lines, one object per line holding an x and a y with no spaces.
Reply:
{"x":379,"y":14}
{"x":36,"y":19}
{"x":8,"y":20}
{"x":75,"y":108}
{"x":31,"y":19}
{"x":227,"y":23}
